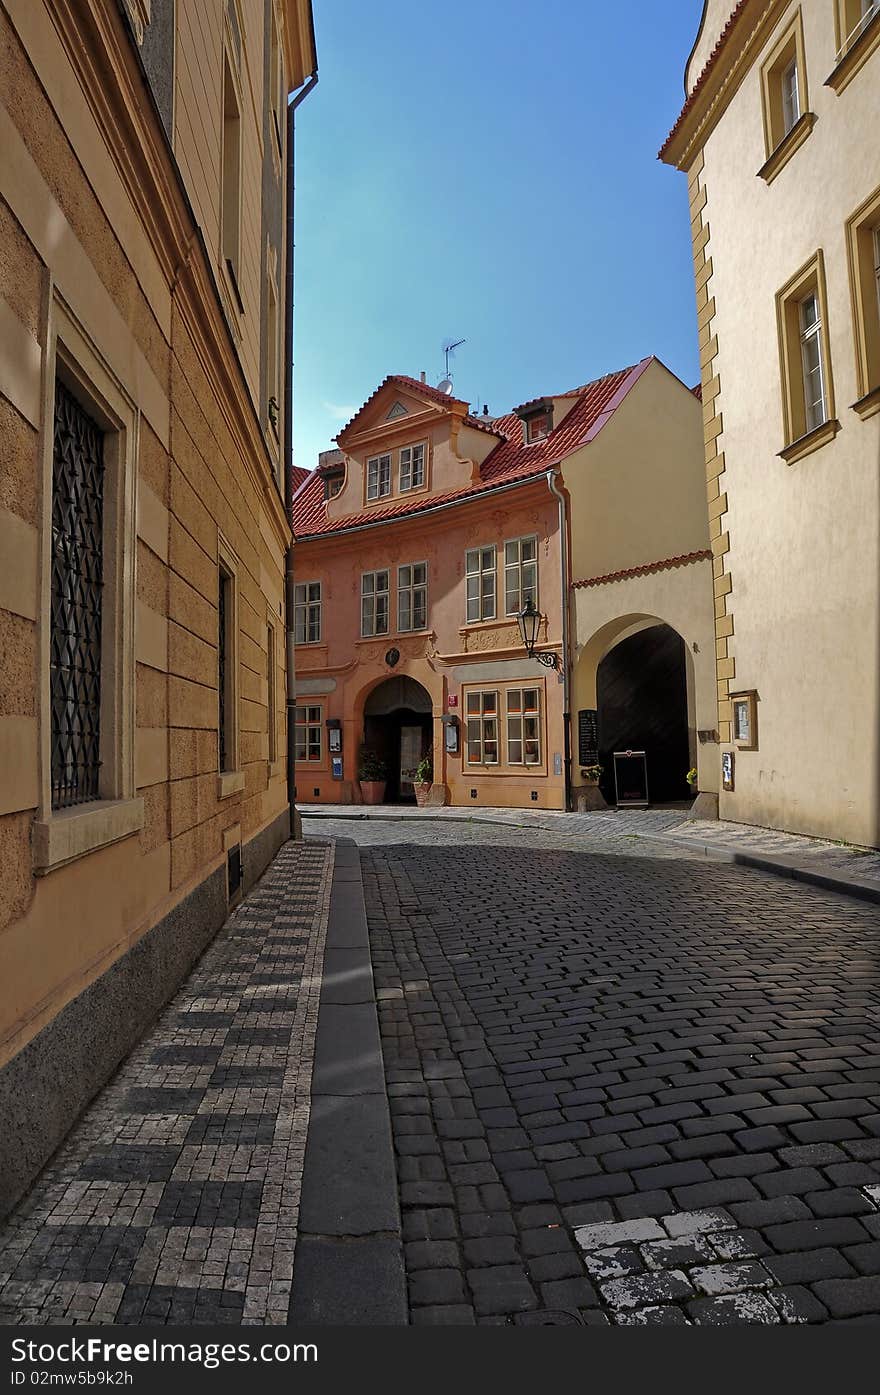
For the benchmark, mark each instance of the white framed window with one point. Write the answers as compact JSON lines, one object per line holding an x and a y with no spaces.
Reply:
{"x":791,"y":97}
{"x":307,"y":733}
{"x":480,"y":583}
{"x":412,"y":467}
{"x":307,"y":612}
{"x":276,"y":83}
{"x":378,"y":476}
{"x":523,"y":726}
{"x":412,"y":596}
{"x":815,"y":404}
{"x":230,"y":186}
{"x":374,"y":603}
{"x":482,"y":728}
{"x":520,"y":574}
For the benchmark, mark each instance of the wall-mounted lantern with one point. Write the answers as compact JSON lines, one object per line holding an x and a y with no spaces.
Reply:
{"x":528,"y":620}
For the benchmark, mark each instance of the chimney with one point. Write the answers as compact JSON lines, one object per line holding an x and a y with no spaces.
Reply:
{"x":422,"y":377}
{"x":485,"y":409}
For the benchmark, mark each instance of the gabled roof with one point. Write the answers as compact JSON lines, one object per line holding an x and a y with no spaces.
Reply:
{"x":298,"y":476}
{"x":511,"y":462}
{"x":704,"y":76}
{"x":432,"y":394}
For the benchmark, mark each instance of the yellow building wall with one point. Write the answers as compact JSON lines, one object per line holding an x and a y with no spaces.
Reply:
{"x":804,"y":539}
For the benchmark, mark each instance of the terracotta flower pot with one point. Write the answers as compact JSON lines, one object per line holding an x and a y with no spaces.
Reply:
{"x":423,"y":789}
{"x":372,"y":791}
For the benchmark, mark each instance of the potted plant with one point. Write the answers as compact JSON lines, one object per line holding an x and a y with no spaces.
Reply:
{"x":691,"y":778}
{"x":591,"y":774}
{"x":424,"y":778}
{"x":372,"y":776}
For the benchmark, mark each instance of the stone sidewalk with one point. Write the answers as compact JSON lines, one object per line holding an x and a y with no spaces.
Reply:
{"x":176,"y":1197}
{"x":833,"y":866}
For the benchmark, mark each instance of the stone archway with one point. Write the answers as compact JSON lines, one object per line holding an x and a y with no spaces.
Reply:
{"x":398,"y":726}
{"x":642,"y":705}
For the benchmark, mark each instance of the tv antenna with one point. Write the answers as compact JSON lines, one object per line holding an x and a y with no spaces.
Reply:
{"x":449,"y":347}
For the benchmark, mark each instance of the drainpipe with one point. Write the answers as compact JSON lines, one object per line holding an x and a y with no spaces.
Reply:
{"x":290,"y":640}
{"x":566,"y":667}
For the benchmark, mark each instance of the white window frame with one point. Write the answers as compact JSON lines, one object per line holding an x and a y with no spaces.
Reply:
{"x":523,"y":718}
{"x":479,"y":722}
{"x":307,"y":612}
{"x":791,"y":96}
{"x":411,"y":468}
{"x":373,"y":594}
{"x":815,"y":408}
{"x":379,"y":476}
{"x":481,"y":563}
{"x":412,"y":595}
{"x":515,"y":586}
{"x":533,"y":435}
{"x":308,"y":733}
{"x":230,"y":180}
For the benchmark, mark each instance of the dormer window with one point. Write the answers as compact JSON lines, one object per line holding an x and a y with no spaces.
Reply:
{"x":537,"y":428}
{"x":333,"y":483}
{"x":378,"y":476}
{"x":537,"y":420}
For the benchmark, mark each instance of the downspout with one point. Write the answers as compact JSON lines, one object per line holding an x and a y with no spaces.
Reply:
{"x":566,"y":668}
{"x":290,"y":640}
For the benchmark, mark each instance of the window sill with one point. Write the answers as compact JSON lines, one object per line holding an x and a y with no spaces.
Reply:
{"x":868,"y":405}
{"x":520,"y":772}
{"x":787,"y":146}
{"x":856,"y":57}
{"x":813,"y":440}
{"x":71,"y":833}
{"x":229,"y":782}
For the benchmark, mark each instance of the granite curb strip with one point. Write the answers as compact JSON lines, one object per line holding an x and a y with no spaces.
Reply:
{"x":784,"y":865}
{"x":348,"y":1268}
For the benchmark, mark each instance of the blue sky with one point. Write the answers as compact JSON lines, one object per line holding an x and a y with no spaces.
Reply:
{"x":488,"y":171}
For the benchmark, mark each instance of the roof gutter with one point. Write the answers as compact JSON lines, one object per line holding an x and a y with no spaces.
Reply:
{"x":289,"y":635}
{"x":423,"y":513}
{"x":552,"y":476}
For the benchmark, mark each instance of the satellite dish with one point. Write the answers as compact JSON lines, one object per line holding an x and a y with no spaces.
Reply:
{"x":445,"y":385}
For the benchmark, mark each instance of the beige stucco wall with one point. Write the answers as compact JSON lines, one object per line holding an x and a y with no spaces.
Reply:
{"x":70,"y":233}
{"x":804,"y":545}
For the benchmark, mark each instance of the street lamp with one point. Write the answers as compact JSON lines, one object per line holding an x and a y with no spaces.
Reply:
{"x":528,"y":620}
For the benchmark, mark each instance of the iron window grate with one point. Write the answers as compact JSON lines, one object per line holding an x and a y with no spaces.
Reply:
{"x":221,"y":668}
{"x":77,"y":590}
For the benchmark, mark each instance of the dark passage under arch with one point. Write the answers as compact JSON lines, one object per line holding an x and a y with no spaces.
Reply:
{"x":642,"y":702}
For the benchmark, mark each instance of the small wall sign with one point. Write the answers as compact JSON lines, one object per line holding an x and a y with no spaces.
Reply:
{"x":727,"y":770}
{"x":452,"y":700}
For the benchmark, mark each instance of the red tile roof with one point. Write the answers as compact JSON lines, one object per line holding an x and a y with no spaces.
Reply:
{"x":298,"y":476}
{"x":668,"y":562}
{"x":704,"y":75}
{"x":697,"y":390}
{"x":413,"y":385}
{"x":510,"y":462}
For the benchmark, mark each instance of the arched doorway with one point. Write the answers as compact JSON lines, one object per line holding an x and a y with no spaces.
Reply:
{"x":398,"y":726}
{"x":642,"y":703}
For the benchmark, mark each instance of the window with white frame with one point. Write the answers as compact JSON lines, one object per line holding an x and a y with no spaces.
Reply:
{"x":523,"y":726}
{"x":276,"y":83}
{"x":791,"y":100}
{"x":307,"y":612}
{"x":538,"y":427}
{"x":815,"y":406}
{"x":412,"y":467}
{"x":412,"y":596}
{"x":307,"y":727}
{"x":374,"y":603}
{"x":480,"y":582}
{"x":378,"y":476}
{"x":230,"y":186}
{"x":520,"y":574}
{"x":482,"y":728}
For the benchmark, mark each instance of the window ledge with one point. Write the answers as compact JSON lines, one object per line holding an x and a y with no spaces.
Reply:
{"x":856,"y":56}
{"x":787,"y":146}
{"x":71,"y":833}
{"x":813,"y":440}
{"x":868,"y":405}
{"x":229,"y":782}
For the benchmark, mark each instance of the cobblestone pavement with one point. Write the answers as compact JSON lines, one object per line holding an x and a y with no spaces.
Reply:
{"x":628,"y":1085}
{"x":175,"y":1198}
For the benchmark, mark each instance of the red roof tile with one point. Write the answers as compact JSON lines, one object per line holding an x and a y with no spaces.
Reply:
{"x":697,"y":390}
{"x":413,"y":385}
{"x":511,"y":461}
{"x":704,"y":75}
{"x":298,"y":476}
{"x":667,"y":564}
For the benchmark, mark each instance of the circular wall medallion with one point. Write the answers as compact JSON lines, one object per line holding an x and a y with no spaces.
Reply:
{"x":392,"y":657}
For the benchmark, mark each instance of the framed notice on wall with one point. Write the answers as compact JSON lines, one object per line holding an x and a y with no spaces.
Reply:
{"x":727,"y":769}
{"x":588,"y":736}
{"x":745,"y":719}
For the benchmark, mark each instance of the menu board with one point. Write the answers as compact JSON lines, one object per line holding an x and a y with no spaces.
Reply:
{"x":588,"y":736}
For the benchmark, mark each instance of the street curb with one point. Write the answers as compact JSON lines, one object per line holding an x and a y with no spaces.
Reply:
{"x":348,"y":1264}
{"x":796,"y":869}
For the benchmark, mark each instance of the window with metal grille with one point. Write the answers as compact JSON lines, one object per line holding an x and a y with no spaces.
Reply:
{"x":224,"y":674}
{"x":77,"y":584}
{"x":271,"y":676}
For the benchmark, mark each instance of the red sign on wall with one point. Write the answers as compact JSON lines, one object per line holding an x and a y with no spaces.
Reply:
{"x":453,"y":699}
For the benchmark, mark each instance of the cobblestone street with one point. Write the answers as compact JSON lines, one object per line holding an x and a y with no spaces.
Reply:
{"x":627,"y":1084}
